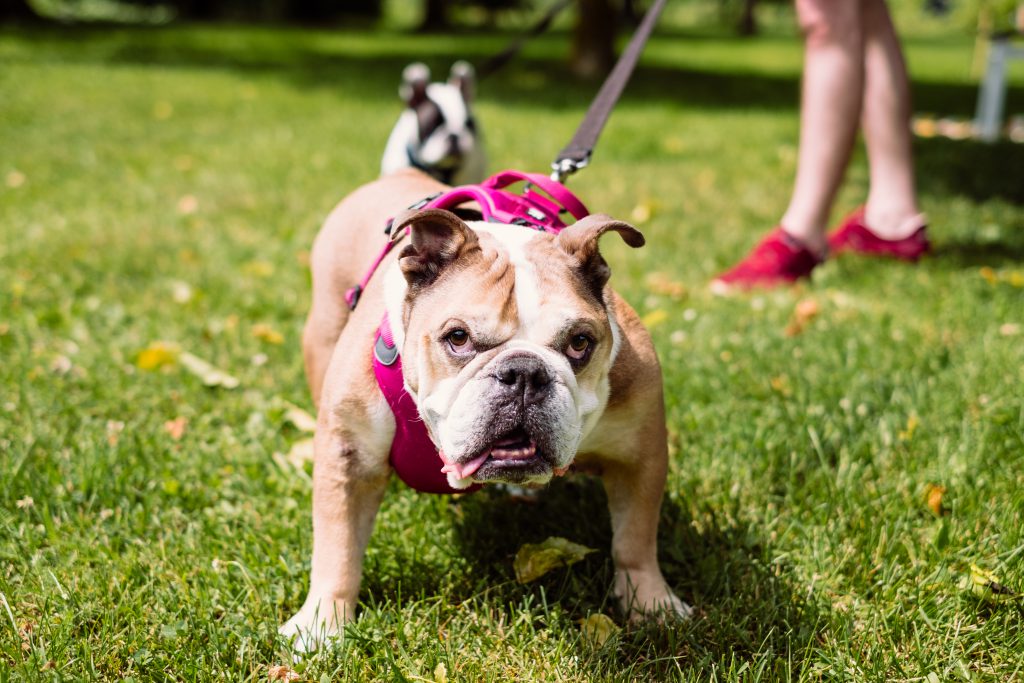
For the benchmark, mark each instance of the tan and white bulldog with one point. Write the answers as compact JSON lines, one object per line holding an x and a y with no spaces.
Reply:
{"x":521,"y":361}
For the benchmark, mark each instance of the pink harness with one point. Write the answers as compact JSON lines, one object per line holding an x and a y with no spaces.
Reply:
{"x":413,"y":454}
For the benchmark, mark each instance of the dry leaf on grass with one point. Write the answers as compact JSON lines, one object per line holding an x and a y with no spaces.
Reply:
{"x":987,"y":586}
{"x":660,"y":283}
{"x":655,"y":317}
{"x":598,"y":628}
{"x":534,"y":560}
{"x":176,"y":427}
{"x":300,"y":419}
{"x":440,"y":673}
{"x":264,"y":332}
{"x":158,"y":354}
{"x":280,"y":672}
{"x":804,"y":312}
{"x":210,"y":375}
{"x":933,"y":498}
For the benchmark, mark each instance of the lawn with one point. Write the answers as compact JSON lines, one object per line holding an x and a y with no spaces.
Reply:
{"x":842,"y":453}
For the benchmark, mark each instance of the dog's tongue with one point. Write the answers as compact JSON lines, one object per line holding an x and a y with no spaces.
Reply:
{"x":504,"y":449}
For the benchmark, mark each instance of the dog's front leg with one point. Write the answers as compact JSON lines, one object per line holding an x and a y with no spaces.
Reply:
{"x":345,"y":502}
{"x":634,"y":491}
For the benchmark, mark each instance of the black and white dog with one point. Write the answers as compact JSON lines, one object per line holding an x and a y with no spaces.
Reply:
{"x":437,"y":132}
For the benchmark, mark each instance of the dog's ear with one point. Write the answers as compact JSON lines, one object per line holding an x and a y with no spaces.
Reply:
{"x":415,"y":79}
{"x":438,"y":238}
{"x":463,"y":77}
{"x":580,"y":241}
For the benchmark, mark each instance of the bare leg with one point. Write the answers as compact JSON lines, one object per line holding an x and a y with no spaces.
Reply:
{"x":891,"y":210}
{"x":833,"y":87}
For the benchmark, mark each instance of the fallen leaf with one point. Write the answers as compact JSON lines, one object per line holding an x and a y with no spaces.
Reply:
{"x":300,"y":453}
{"x":280,"y":672}
{"x":660,"y":283}
{"x":60,"y":365}
{"x":534,"y":560}
{"x":598,"y":628}
{"x":1009,"y":329}
{"x":300,"y":419}
{"x":157,"y":355}
{"x":986,"y":586}
{"x":264,"y":332}
{"x":1016,"y":278}
{"x":24,"y":503}
{"x":188,"y":205}
{"x":181,"y":292}
{"x":804,"y":312}
{"x":210,"y":375}
{"x":780,"y":384}
{"x":440,"y":673}
{"x":933,"y":497}
{"x":988,"y":275}
{"x":258,"y":268}
{"x":114,"y":429}
{"x":908,"y":433}
{"x":924,"y":127}
{"x":655,"y":317}
{"x":641,"y":213}
{"x":15,"y":179}
{"x":176,"y":427}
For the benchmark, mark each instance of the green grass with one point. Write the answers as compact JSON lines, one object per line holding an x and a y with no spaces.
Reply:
{"x":794,"y":520}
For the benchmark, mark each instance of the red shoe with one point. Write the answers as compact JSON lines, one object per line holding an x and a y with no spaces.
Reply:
{"x":854,"y":235}
{"x":778,"y":259}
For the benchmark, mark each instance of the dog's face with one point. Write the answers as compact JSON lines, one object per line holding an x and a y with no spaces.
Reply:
{"x":439,"y":124}
{"x":506,"y":340}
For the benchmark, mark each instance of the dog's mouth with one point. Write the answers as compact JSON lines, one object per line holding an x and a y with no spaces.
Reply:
{"x":515,"y":450}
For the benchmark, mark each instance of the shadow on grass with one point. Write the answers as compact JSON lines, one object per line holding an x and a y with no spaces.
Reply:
{"x":748,"y":607}
{"x":970,"y":169}
{"x":355,"y":64}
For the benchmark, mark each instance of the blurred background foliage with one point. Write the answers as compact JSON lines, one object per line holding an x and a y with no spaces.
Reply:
{"x":746,"y":15}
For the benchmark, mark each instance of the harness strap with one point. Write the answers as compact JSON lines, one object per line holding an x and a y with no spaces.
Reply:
{"x":576,"y":154}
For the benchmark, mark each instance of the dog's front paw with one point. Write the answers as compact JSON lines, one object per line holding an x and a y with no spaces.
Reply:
{"x":318,"y":622}
{"x":645,"y":595}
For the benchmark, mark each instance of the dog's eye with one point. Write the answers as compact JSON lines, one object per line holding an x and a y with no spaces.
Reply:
{"x":579,"y":347}
{"x":458,"y":340}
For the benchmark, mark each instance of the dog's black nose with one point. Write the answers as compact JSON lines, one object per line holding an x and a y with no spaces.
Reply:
{"x":453,"y":145}
{"x":525,"y":376}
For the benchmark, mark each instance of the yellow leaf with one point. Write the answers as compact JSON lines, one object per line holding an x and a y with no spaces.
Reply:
{"x":660,"y":283}
{"x":1016,"y":278}
{"x":258,"y":268}
{"x":264,"y":332}
{"x":933,"y":497}
{"x":598,"y":628}
{"x":300,"y":419}
{"x":534,"y":560}
{"x":655,"y":317}
{"x":988,"y":275}
{"x":908,"y":433}
{"x":211,"y":376}
{"x":301,"y":453}
{"x":158,"y":355}
{"x":280,"y":672}
{"x":986,"y":586}
{"x":440,"y":673}
{"x":641,"y":213}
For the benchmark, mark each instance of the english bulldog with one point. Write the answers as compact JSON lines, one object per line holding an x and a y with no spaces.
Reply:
{"x":437,"y":133}
{"x":521,"y":361}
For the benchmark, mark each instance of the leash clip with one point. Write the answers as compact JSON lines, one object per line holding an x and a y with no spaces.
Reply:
{"x":565,"y":167}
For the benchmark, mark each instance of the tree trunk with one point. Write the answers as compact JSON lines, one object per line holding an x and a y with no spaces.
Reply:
{"x":17,"y":11}
{"x":747,"y":25}
{"x":435,"y":15}
{"x":593,"y":39}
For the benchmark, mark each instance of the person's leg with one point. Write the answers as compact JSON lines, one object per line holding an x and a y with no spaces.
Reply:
{"x":833,"y":85}
{"x":891,"y":210}
{"x":833,"y":91}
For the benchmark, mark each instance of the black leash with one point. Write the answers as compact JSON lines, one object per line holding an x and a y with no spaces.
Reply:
{"x":576,"y":154}
{"x":505,"y":56}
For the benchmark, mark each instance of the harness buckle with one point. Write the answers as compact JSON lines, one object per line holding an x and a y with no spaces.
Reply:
{"x":352,"y":296}
{"x":565,"y":167}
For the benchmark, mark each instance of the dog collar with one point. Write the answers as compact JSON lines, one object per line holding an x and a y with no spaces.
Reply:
{"x":414,"y":456}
